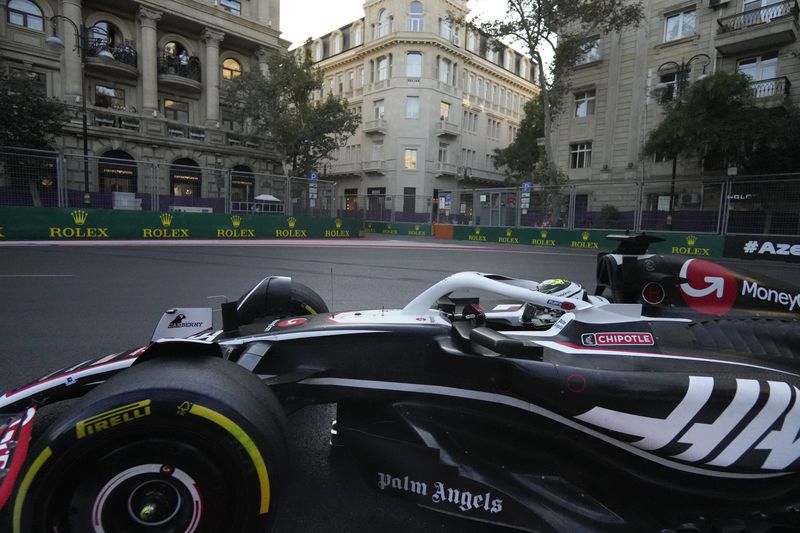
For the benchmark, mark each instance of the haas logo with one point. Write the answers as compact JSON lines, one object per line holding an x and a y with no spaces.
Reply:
{"x":711,"y":288}
{"x":176,"y":323}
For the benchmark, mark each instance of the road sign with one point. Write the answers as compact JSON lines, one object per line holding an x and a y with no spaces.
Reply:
{"x":526,"y":186}
{"x":313,"y":176}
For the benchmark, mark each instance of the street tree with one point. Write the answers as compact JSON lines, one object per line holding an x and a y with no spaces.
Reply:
{"x":518,"y":160}
{"x":534,"y":24}
{"x":717,"y":118}
{"x":30,"y":119}
{"x":281,"y":106}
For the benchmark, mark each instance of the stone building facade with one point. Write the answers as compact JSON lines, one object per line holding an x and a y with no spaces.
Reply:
{"x":152,"y":79}
{"x":617,"y":92}
{"x":436,"y":99}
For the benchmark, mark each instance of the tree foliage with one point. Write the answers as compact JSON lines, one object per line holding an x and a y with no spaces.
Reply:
{"x":519,"y":159}
{"x":280,"y":106}
{"x":535,"y":23}
{"x":717,"y":117}
{"x":29,"y":118}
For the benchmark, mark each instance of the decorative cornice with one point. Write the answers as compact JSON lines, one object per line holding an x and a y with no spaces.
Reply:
{"x":211,"y":36}
{"x":149,"y":15}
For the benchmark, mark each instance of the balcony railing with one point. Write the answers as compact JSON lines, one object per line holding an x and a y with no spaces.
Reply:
{"x":122,"y":52}
{"x":761,"y":15}
{"x":172,"y":66}
{"x":771,"y":87}
{"x":375,"y":126}
{"x":444,"y":128}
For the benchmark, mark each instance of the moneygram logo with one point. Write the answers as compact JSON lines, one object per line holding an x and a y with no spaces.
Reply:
{"x":711,"y":289}
{"x":770,"y":248}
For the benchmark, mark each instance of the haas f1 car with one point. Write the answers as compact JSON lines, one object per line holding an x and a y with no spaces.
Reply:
{"x":667,"y":400}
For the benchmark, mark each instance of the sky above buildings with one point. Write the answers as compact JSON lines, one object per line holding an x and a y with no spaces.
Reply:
{"x":301,"y":19}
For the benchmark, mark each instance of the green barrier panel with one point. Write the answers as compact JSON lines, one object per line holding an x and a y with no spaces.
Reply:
{"x":397,"y":228}
{"x":540,"y":238}
{"x":689,"y":244}
{"x":30,"y":223}
{"x":697,"y":245}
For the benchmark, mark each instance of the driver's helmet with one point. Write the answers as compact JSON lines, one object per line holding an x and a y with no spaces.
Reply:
{"x":563,"y":288}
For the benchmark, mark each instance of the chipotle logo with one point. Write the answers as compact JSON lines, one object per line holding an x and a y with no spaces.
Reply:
{"x":617,"y":339}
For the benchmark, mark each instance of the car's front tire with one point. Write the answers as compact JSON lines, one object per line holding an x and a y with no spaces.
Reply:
{"x":177,"y":444}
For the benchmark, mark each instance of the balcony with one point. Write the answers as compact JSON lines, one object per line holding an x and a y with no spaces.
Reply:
{"x":345,"y":169}
{"x":374,"y":167}
{"x":446,"y":169}
{"x":110,"y":58}
{"x":773,"y":88}
{"x":769,"y":26}
{"x":377,"y":126}
{"x":447,"y":129}
{"x":173,"y":75}
{"x":114,"y":119}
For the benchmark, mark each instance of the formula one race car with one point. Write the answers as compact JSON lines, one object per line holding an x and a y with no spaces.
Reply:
{"x":675,"y":408}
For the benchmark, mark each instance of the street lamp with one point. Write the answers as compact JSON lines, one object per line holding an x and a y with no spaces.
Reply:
{"x":55,"y":43}
{"x":682,"y":71}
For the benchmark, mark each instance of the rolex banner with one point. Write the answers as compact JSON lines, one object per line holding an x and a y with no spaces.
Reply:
{"x":30,"y":223}
{"x":399,"y":228}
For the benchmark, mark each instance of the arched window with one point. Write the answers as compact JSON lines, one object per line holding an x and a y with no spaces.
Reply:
{"x":384,"y":23}
{"x":523,"y":69}
{"x":174,"y":49}
{"x":358,"y":35}
{"x":231,"y":69}
{"x":318,"y":51}
{"x":414,"y":65}
{"x":416,"y":17}
{"x":508,"y":60}
{"x":104,"y":31}
{"x":26,"y":14}
{"x":117,"y":171}
{"x":471,"y":41}
{"x":242,"y":184}
{"x":185,"y":178}
{"x":337,"y":44}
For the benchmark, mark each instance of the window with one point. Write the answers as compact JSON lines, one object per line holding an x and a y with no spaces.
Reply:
{"x":410,"y":159}
{"x":584,"y":103}
{"x":231,"y":69}
{"x":471,"y":41}
{"x":580,"y":155}
{"x":39,"y":79}
{"x":383,"y":68}
{"x":318,"y":51}
{"x":409,"y":199}
{"x":508,"y":60}
{"x":174,"y":110}
{"x":362,"y":77}
{"x":109,"y":97}
{"x":351,"y":81}
{"x":26,"y":14}
{"x":378,"y":109}
{"x":444,"y":111}
{"x":416,"y":17}
{"x":231,"y":6}
{"x":760,"y":68}
{"x":680,"y":25}
{"x":103,"y":32}
{"x":384,"y":24}
{"x":493,"y":128}
{"x":377,"y":151}
{"x":667,"y":84}
{"x":446,"y":30}
{"x":591,"y":52}
{"x":443,"y":152}
{"x":337,"y":44}
{"x":358,"y":35}
{"x":229,"y":121}
{"x":412,"y":106}
{"x":523,"y":69}
{"x":340,"y":83}
{"x":445,"y":70}
{"x":414,"y":65}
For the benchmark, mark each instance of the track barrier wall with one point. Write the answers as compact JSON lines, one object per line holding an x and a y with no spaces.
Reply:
{"x":48,"y":224}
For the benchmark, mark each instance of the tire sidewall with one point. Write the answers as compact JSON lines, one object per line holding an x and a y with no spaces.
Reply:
{"x":242,"y":440}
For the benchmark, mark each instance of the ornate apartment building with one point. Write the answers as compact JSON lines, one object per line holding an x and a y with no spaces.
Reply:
{"x":436,"y":99}
{"x":152,"y":76}
{"x":618,"y":90}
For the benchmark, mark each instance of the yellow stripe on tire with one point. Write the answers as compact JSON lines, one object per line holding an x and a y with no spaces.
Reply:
{"x":247,"y":443}
{"x":309,"y":309}
{"x":25,"y":485}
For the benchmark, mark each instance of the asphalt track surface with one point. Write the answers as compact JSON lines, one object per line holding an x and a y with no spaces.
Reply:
{"x":65,"y":304}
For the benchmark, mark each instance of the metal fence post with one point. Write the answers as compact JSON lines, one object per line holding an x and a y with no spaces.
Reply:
{"x":724,"y":207}
{"x":289,"y":204}
{"x":61,"y":179}
{"x":571,"y":212}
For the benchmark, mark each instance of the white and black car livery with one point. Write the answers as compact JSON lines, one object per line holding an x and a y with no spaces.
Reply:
{"x":676,"y":408}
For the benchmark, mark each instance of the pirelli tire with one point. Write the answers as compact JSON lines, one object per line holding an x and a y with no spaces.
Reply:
{"x":176,"y":444}
{"x":305,"y":301}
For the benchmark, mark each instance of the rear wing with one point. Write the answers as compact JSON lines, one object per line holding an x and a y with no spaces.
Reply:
{"x":636,"y":244}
